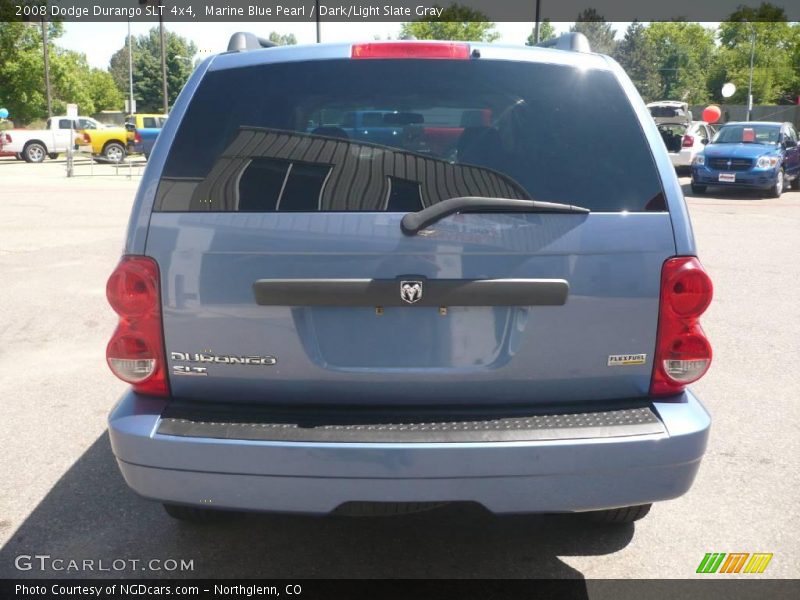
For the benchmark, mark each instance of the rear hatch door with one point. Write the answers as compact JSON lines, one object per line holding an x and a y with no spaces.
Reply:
{"x":287,"y":277}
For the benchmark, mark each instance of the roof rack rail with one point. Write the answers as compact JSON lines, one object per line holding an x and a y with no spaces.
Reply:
{"x":241,"y":41}
{"x":574,"y":41}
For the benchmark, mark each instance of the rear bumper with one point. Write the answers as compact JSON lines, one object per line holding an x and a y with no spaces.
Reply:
{"x":682,"y":158}
{"x":555,"y":475}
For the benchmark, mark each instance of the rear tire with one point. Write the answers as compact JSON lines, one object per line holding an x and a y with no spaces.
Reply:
{"x":620,"y":516}
{"x":698,"y":189}
{"x":19,"y":156}
{"x":114,"y":152}
{"x":34,"y":152}
{"x":53,"y":155}
{"x":776,"y":190}
{"x":795,"y":185}
{"x":192,"y":514}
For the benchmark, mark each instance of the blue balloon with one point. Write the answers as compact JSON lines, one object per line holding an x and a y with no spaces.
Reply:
{"x":3,"y":113}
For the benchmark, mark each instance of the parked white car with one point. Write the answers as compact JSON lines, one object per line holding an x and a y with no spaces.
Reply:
{"x":684,"y":142}
{"x":33,"y":145}
{"x":683,"y":137}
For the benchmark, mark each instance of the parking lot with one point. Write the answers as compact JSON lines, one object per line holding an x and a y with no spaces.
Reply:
{"x":63,"y":495}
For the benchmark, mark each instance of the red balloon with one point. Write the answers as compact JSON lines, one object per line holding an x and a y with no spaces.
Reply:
{"x":712,"y":113}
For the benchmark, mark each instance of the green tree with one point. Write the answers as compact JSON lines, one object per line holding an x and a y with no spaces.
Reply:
{"x":69,"y":81}
{"x":22,"y":71}
{"x":22,"y":81}
{"x":147,"y":88}
{"x":775,"y":76}
{"x":104,"y":91}
{"x":794,"y":92}
{"x":685,"y":53}
{"x":455,"y":23}
{"x":282,"y":39}
{"x":635,"y":53}
{"x":600,"y":34}
{"x":546,"y":32}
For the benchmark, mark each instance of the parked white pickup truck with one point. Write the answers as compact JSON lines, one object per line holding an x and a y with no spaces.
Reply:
{"x":34,"y":144}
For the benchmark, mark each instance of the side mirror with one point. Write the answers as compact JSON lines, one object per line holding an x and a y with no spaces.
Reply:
{"x":787,"y":143}
{"x":704,"y":141}
{"x":130,"y":127}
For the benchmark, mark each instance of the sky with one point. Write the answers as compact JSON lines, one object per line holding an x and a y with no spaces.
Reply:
{"x":98,"y":41}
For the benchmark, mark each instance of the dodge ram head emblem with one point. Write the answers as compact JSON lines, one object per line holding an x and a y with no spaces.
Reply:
{"x":411,"y":291}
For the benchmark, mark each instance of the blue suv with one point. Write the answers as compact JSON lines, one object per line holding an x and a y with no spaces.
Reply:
{"x":487,"y":306}
{"x":754,"y":155}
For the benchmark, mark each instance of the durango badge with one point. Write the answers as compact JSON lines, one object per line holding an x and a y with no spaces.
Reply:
{"x":411,"y":291}
{"x":226,"y":359}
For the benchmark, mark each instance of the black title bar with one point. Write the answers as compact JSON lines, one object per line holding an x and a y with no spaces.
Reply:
{"x":384,"y":10}
{"x":391,"y":589}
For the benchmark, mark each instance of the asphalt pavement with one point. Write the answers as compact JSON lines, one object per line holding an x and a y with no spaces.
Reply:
{"x":63,"y":496}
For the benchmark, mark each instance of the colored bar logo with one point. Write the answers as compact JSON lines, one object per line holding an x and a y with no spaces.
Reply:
{"x":734,"y":562}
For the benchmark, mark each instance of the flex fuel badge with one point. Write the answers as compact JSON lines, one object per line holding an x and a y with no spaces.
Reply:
{"x":623,"y":360}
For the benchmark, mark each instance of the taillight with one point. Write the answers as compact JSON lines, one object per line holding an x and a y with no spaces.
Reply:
{"x":683,"y":353}
{"x":410,"y":50}
{"x":86,"y":138}
{"x":135,"y":353}
{"x":137,"y":138}
{"x":7,"y":138}
{"x":688,"y":141}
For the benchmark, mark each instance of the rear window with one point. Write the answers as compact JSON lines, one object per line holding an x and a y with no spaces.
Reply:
{"x":153,"y":122}
{"x":748,"y":133}
{"x":382,"y":135}
{"x":661,"y":112}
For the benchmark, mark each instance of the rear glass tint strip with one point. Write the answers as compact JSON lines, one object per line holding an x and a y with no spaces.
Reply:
{"x":260,"y":171}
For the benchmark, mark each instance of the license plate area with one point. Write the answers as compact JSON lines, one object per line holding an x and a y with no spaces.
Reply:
{"x":727,"y":177}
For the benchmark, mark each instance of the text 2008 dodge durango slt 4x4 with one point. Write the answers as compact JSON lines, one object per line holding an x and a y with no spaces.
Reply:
{"x":498,"y":303}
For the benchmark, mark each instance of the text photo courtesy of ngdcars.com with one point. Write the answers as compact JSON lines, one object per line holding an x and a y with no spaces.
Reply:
{"x":491,"y":308}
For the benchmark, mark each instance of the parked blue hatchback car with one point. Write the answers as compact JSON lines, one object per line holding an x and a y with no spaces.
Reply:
{"x":756,"y":155}
{"x":498,"y":303}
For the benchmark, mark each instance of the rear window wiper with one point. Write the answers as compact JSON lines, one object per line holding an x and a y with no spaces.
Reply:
{"x":413,"y":222}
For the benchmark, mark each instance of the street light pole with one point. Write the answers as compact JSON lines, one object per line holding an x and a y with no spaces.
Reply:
{"x":750,"y":85}
{"x":46,"y":43}
{"x":536,"y":25}
{"x":163,"y":58}
{"x":162,"y":43}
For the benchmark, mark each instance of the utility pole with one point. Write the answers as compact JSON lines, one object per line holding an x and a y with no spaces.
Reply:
{"x":131,"y":107}
{"x":536,"y":24}
{"x":750,"y":85}
{"x":46,"y":43}
{"x":163,"y":58}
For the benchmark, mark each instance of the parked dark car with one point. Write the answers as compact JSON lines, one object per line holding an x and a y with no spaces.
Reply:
{"x":755,"y":155}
